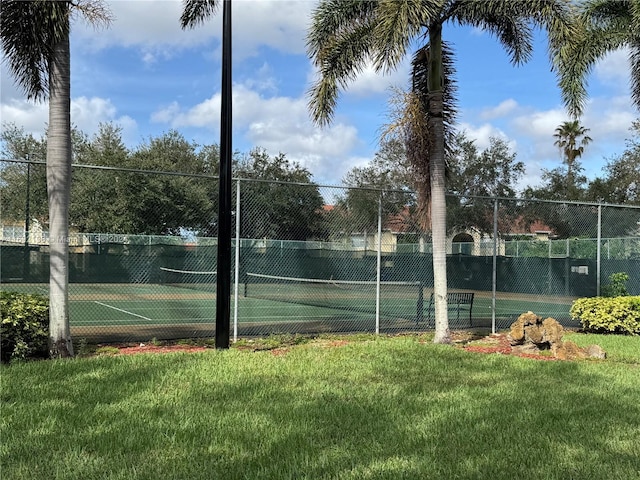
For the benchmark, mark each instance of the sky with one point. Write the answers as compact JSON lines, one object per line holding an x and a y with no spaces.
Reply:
{"x":146,"y":75}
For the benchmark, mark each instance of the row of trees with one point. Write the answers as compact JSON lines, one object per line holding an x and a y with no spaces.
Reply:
{"x":275,"y":204}
{"x":127,"y":197}
{"x":344,"y":37}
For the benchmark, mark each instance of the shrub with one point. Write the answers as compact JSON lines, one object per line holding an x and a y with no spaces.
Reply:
{"x":617,"y":285}
{"x":24,"y":329}
{"x":608,"y":315}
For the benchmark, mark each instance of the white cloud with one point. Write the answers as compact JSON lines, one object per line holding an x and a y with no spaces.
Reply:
{"x":613,"y":70}
{"x":370,"y":82}
{"x":86,"y":114}
{"x":482,"y":134}
{"x":153,"y":26}
{"x":278,"y":124}
{"x":502,"y":110}
{"x":33,"y":117}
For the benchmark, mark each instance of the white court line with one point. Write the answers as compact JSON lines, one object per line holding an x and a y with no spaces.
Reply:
{"x":121,"y":310}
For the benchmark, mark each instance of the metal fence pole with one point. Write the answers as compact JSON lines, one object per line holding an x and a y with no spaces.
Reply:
{"x":236,"y":282}
{"x":27,"y":221}
{"x":598,"y":249}
{"x":379,"y":264}
{"x":494,"y":279}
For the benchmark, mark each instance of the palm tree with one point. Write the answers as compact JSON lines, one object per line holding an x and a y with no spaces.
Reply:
{"x":346,"y":35}
{"x":605,"y":26}
{"x":567,"y":136}
{"x":35,"y":41}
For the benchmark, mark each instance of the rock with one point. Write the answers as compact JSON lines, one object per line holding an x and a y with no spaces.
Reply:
{"x":595,"y":351}
{"x":567,"y":351}
{"x":553,"y":331}
{"x":516,"y":335}
{"x":534,"y":334}
{"x":527,"y":348}
{"x":529,"y":334}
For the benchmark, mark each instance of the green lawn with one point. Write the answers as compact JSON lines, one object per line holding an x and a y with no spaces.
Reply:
{"x":376,"y":407}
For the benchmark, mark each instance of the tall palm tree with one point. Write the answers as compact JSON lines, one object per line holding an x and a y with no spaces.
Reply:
{"x":346,"y":35}
{"x":605,"y":26}
{"x":571,"y":139}
{"x":35,"y":42}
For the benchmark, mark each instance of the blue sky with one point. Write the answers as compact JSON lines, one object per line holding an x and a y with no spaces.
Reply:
{"x":148,"y":76}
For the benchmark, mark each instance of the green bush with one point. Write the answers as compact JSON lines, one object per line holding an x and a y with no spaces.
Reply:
{"x":608,"y":315}
{"x":24,"y":331}
{"x":617,"y":286}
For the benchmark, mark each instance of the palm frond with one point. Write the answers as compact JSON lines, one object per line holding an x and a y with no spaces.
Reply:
{"x":397,"y":23}
{"x":634,"y":61}
{"x":196,"y":12}
{"x":601,"y":27}
{"x":28,"y":32}
{"x":339,"y":43}
{"x":501,"y":19}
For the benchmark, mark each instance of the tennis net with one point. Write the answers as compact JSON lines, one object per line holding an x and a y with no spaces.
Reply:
{"x":401,"y":300}
{"x":189,"y":279}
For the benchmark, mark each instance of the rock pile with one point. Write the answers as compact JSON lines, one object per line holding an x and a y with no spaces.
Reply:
{"x":530,"y":333}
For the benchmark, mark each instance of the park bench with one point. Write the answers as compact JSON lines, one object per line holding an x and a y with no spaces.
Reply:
{"x":461,"y":301}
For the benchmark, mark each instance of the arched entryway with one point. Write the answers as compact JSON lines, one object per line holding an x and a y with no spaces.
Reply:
{"x":462,"y":243}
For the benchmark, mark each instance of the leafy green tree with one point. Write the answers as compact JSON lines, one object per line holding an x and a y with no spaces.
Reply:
{"x":98,"y":200}
{"x":384,"y":182}
{"x":492,"y":172}
{"x":621,"y":184}
{"x":278,"y":203}
{"x":18,"y":178}
{"x":346,"y":35}
{"x":157,"y":203}
{"x":554,"y":185}
{"x":35,"y":42}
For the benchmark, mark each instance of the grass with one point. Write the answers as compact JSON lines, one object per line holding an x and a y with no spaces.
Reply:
{"x":373,"y":408}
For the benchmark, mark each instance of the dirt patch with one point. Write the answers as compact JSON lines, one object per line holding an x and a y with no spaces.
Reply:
{"x":499,"y":343}
{"x":469,"y":341}
{"x":134,"y":349}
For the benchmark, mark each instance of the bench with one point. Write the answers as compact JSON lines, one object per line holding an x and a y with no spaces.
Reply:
{"x":461,"y":301}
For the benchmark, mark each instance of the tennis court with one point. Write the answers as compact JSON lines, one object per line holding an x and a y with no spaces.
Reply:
{"x":269,"y":304}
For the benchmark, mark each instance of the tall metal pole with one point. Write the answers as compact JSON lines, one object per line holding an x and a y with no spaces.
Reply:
{"x":223,"y":292}
{"x":599,"y":250}
{"x":379,"y":264}
{"x":236,"y":281}
{"x":494,"y":273}
{"x":25,"y":259}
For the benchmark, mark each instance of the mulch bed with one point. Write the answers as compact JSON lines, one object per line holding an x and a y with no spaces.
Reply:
{"x":491,"y":344}
{"x":499,"y":343}
{"x":128,"y":349}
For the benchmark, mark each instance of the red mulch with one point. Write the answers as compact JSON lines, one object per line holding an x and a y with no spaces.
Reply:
{"x":499,"y":343}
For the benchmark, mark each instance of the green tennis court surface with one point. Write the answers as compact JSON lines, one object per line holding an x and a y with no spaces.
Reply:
{"x":108,"y":305}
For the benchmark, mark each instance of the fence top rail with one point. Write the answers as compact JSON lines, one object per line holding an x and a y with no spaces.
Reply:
{"x":315,"y":185}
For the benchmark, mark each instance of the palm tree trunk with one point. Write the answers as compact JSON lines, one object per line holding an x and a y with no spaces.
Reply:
{"x":438,"y":188}
{"x":59,"y":190}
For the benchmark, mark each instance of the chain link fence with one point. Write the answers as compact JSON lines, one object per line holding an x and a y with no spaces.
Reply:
{"x":306,"y":258}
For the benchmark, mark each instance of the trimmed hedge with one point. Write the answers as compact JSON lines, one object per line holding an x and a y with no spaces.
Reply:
{"x":608,"y":314}
{"x":24,"y":329}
